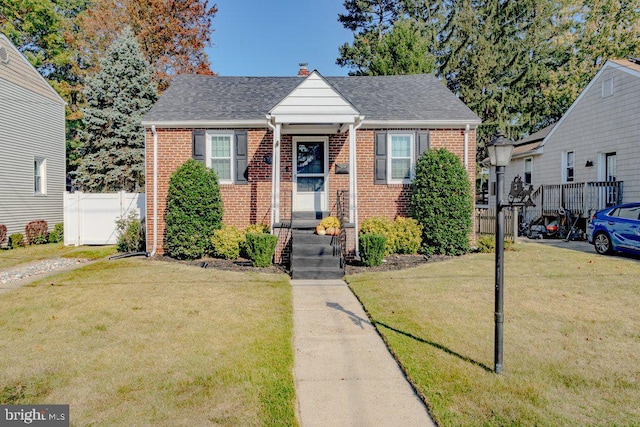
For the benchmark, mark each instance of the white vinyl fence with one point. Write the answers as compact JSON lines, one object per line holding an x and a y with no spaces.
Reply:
{"x":90,"y":218}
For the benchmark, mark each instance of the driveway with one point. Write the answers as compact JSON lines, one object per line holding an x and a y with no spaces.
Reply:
{"x":576,"y":245}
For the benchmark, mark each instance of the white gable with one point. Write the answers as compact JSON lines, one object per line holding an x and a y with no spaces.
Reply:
{"x":314,"y":101}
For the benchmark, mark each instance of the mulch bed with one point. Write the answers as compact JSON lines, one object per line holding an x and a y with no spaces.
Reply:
{"x":391,"y":263}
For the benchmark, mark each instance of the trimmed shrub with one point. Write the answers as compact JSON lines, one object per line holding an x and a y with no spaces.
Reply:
{"x":372,"y":249}
{"x":487,"y":244}
{"x":408,"y":235}
{"x":441,"y":201}
{"x":36,"y":232}
{"x":257,"y":228}
{"x":194,"y":211}
{"x":3,"y":233}
{"x":57,"y":235}
{"x":16,"y":240}
{"x":383,"y":226}
{"x":131,"y":237}
{"x":227,"y":242}
{"x":261,"y":248}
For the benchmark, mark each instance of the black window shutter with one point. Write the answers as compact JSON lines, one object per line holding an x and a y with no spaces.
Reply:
{"x":242,"y":173}
{"x":423,"y":143}
{"x":199,"y":143}
{"x":380,"y":158}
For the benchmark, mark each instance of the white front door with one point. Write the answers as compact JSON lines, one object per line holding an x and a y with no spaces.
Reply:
{"x":310,"y":170}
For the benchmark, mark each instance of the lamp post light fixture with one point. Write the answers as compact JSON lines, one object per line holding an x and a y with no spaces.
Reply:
{"x":500,"y":150}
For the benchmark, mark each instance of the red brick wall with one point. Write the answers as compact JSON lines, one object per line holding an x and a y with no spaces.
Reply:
{"x":250,"y":204}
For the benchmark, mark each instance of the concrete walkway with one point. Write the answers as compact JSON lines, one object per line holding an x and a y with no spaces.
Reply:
{"x":344,"y":374}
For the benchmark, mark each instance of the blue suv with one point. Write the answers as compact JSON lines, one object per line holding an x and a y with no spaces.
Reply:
{"x":616,"y":229}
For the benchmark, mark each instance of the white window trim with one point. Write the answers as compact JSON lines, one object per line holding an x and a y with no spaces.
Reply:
{"x":42,"y":162}
{"x":565,"y":166}
{"x":231,"y":151}
{"x":412,"y":160}
{"x":524,"y":171}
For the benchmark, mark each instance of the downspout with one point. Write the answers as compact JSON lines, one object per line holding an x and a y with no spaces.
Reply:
{"x":466,"y":147}
{"x":355,"y":187}
{"x":155,"y":191}
{"x":273,"y":174}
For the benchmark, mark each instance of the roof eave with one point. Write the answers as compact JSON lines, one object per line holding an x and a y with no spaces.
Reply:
{"x":196,"y":124}
{"x":461,"y":124}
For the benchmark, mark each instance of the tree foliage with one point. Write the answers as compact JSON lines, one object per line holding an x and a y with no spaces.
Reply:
{"x":172,"y":34}
{"x":401,"y":50}
{"x":441,"y":202}
{"x":518,"y":65}
{"x":66,"y":40}
{"x":194,"y":211}
{"x":112,"y":141}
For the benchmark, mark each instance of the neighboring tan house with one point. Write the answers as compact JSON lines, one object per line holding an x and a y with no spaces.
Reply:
{"x":345,"y":146}
{"x":589,"y":159}
{"x":32,"y":137}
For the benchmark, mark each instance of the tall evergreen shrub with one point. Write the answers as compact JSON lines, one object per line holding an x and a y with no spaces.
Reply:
{"x":112,"y":139}
{"x":441,"y":202}
{"x":194,"y":211}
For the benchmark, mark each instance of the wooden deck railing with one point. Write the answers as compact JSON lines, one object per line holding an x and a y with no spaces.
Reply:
{"x":581,"y":198}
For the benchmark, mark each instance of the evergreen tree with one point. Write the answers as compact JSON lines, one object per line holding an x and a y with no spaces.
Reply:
{"x":112,"y":150}
{"x":401,"y":50}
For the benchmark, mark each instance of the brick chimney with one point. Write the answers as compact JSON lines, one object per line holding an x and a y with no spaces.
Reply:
{"x":303,"y":71}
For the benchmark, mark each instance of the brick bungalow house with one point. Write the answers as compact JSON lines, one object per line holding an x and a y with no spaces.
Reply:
{"x":353,"y":138}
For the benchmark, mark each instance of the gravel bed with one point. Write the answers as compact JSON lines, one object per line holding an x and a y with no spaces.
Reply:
{"x":35,"y":268}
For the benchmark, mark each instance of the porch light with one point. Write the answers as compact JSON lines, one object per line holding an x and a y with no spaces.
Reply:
{"x":500,"y":150}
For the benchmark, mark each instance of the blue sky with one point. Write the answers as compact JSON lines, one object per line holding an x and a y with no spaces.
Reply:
{"x":270,"y":38}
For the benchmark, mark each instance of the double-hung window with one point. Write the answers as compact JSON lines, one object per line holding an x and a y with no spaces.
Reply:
{"x":528,"y":170}
{"x":568,"y":166}
{"x":401,"y":157}
{"x":219,"y":156}
{"x":39,"y":176}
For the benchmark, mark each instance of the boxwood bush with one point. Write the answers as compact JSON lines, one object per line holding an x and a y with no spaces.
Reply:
{"x":441,"y":201}
{"x":57,"y":235}
{"x":408,"y":235}
{"x":227,"y":242}
{"x":383,"y":226}
{"x":372,"y":249}
{"x":16,"y":240}
{"x":260,"y":248}
{"x":194,"y":211}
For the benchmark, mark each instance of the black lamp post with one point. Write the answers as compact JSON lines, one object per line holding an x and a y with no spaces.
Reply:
{"x":500,"y":150}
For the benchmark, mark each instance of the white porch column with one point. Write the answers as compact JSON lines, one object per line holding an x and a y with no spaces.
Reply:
{"x":352,"y":174}
{"x":276,"y":171}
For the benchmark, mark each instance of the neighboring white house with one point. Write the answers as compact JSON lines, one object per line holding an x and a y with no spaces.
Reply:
{"x":32,"y":139}
{"x":590,"y":158}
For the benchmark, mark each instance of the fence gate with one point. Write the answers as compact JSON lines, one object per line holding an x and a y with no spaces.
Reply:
{"x":90,"y":218}
{"x":486,"y":222}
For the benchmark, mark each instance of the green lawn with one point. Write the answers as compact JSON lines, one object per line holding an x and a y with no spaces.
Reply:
{"x":142,"y":342}
{"x":11,"y":257}
{"x":571,"y":336}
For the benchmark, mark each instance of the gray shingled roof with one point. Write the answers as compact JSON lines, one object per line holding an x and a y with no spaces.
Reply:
{"x":202,"y":98}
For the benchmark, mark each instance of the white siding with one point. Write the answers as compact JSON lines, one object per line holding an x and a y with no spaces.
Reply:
{"x":31,"y":125}
{"x":594,"y":125}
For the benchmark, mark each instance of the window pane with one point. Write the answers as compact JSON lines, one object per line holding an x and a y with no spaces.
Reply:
{"x":570,"y":159}
{"x":310,"y":185}
{"x":310,"y":157}
{"x":400,"y":168}
{"x":222,"y":168}
{"x":220,"y":146}
{"x":400,"y":146}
